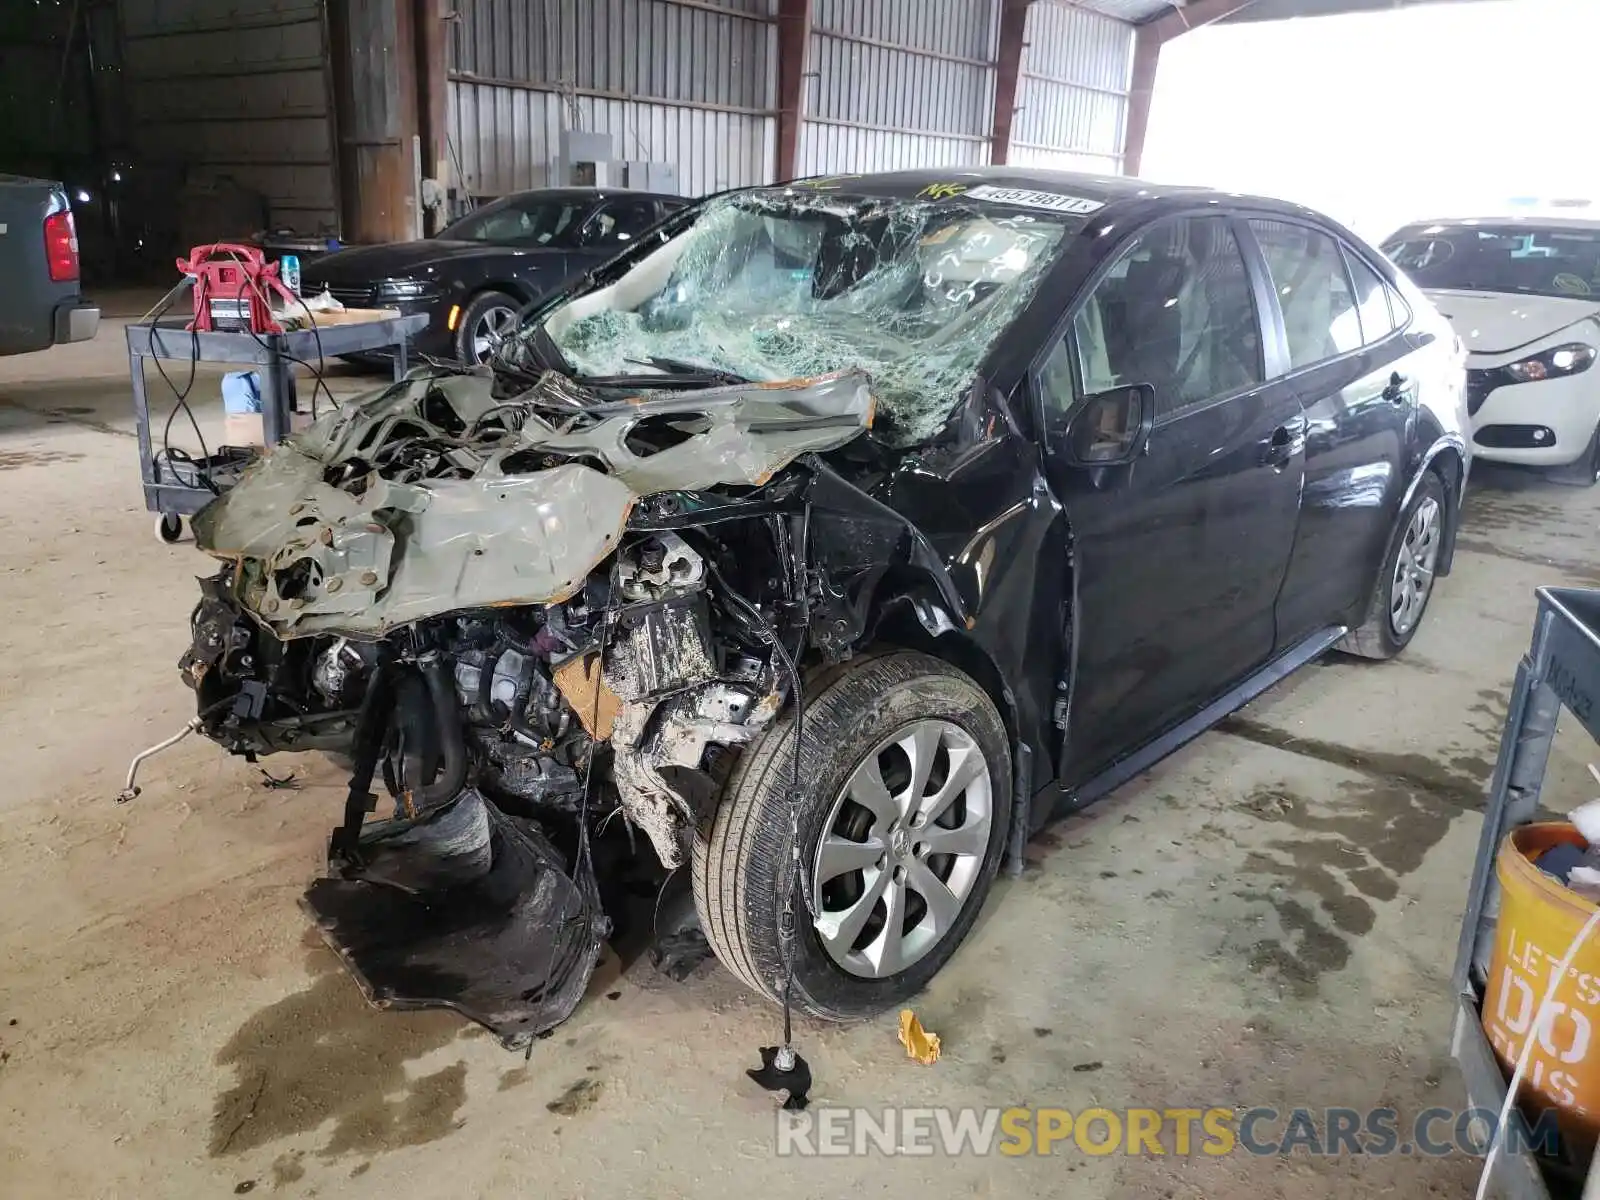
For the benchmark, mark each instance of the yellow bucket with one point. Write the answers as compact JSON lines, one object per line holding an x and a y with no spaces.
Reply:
{"x":1538,"y":920}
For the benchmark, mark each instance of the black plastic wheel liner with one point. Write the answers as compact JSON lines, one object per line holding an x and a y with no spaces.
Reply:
{"x":428,"y":920}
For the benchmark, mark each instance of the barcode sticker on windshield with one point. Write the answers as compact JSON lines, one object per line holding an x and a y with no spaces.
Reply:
{"x":1054,"y":201}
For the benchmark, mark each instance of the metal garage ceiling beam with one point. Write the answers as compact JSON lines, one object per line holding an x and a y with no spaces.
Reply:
{"x":1151,"y":36}
{"x":1281,"y":10}
{"x":1179,"y":18}
{"x":1140,"y":12}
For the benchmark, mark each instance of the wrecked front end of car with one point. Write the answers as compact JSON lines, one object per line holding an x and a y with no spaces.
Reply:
{"x":547,"y":605}
{"x":524,"y":616}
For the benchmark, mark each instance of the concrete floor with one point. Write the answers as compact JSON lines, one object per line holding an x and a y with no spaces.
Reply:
{"x":1267,"y":918}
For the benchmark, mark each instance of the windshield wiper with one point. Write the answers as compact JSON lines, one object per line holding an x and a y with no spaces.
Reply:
{"x":674,"y":373}
{"x":681,"y":367}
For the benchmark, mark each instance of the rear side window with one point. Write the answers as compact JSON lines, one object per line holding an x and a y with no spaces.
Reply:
{"x":1372,"y":300}
{"x":1175,"y":311}
{"x":1319,"y":306}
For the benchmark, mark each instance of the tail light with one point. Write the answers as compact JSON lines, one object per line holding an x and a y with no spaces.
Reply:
{"x":61,"y":246}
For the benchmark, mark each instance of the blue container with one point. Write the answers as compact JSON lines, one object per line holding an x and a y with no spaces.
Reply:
{"x":241,"y":392}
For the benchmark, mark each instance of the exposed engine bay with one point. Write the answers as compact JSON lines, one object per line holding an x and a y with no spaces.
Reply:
{"x":528,"y":616}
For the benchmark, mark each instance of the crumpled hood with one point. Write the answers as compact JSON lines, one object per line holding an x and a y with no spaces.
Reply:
{"x":1499,"y":322}
{"x":506,"y":516}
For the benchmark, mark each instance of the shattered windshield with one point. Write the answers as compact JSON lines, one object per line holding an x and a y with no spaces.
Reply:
{"x":772,"y":286}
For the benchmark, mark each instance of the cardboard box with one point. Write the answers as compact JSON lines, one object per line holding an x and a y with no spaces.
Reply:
{"x":246,"y":429}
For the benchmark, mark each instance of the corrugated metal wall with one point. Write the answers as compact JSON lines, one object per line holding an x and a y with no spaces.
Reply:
{"x":241,"y":88}
{"x":1072,"y":97}
{"x":237,"y":88}
{"x":898,"y":83}
{"x":691,"y":84}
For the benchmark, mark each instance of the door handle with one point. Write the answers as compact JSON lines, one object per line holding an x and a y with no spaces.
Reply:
{"x":1398,"y":389}
{"x":1284,"y":443}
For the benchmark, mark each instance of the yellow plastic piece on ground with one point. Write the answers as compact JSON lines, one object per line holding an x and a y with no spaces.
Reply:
{"x":919,"y":1043}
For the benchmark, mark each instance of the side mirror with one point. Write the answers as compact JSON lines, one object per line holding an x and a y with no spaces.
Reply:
{"x":1112,"y":427}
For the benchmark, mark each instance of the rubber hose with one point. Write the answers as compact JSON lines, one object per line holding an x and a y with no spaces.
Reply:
{"x":452,"y":775}
{"x":484,"y":708}
{"x":517,"y":718}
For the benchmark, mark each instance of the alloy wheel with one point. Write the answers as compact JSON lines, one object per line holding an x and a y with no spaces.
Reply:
{"x":1414,"y":568}
{"x":902,"y":848}
{"x":492,"y":328}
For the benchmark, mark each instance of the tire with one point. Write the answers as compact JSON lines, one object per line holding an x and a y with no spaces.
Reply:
{"x":169,"y":528}
{"x":742,"y":856}
{"x":485,"y":306}
{"x":1585,"y":471}
{"x":1381,"y":635}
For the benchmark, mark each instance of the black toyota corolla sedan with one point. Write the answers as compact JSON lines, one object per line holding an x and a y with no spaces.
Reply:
{"x":472,"y":278}
{"x":827,"y":541}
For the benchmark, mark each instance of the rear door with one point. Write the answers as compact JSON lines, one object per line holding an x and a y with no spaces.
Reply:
{"x":1348,"y":354}
{"x":1180,"y":554}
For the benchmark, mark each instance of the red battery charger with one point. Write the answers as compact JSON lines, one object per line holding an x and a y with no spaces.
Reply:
{"x":232,"y":286}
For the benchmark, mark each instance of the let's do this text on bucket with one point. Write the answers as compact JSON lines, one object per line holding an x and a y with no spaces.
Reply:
{"x":822,"y":1131}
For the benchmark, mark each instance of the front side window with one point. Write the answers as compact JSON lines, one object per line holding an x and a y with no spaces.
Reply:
{"x":517,"y":221}
{"x":1176,"y":312}
{"x":784,"y":284}
{"x":1504,"y":256}
{"x":1314,"y":292}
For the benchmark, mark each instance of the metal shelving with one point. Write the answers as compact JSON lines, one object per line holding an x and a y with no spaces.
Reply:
{"x":177,"y":489}
{"x":1560,"y":671}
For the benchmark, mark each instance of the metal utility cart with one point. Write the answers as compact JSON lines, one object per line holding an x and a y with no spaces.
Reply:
{"x":1560,"y":670}
{"x":177,"y":487}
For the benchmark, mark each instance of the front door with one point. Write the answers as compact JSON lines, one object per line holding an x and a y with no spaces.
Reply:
{"x":1179,"y":554}
{"x":1350,"y":369}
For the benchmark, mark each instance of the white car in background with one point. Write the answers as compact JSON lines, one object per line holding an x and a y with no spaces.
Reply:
{"x":1523,"y":294}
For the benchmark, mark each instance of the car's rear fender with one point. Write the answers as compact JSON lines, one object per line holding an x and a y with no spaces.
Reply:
{"x":1447,"y":458}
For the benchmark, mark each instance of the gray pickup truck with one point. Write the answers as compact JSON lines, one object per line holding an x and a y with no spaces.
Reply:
{"x":40,"y":304}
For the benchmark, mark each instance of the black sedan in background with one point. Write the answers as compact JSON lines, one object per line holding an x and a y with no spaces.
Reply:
{"x":475,"y":274}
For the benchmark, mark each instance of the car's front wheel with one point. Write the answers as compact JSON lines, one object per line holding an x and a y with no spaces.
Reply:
{"x":903,"y":806}
{"x":488,"y":320}
{"x":1405,"y":583}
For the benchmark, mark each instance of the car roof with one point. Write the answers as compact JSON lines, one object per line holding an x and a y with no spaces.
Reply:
{"x":1542,"y":218}
{"x":578,"y":195}
{"x":1104,"y":189}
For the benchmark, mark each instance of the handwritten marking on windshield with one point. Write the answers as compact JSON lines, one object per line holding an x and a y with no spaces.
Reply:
{"x":823,"y":183}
